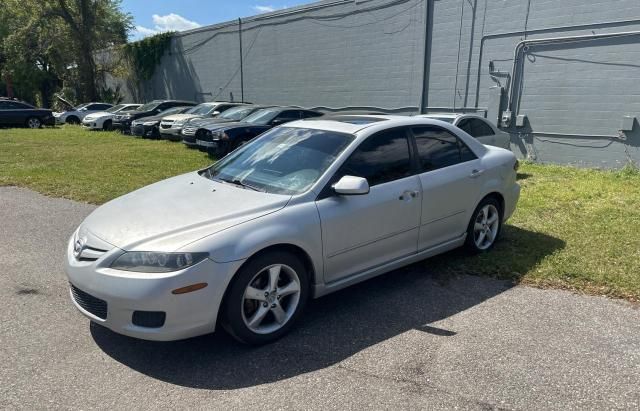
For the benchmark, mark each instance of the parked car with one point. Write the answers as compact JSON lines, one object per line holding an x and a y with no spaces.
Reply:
{"x":103,"y":120}
{"x":220,"y":139}
{"x":122,"y":120}
{"x":475,"y":126}
{"x":77,"y":114}
{"x":232,"y":115}
{"x":19,"y":113}
{"x":301,"y":211}
{"x":171,"y":126}
{"x":149,"y":127}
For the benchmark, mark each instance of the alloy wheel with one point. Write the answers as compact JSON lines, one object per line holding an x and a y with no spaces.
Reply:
{"x":271,"y":299}
{"x":486,"y":225}
{"x":33,"y":123}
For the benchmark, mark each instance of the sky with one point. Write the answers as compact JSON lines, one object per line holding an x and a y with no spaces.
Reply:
{"x":154,"y":16}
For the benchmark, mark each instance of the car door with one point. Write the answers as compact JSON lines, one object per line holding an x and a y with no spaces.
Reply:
{"x":448,"y":175}
{"x":17,"y":113}
{"x":4,"y":113}
{"x":360,"y":232}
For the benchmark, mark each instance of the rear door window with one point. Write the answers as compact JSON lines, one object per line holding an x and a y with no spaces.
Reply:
{"x":438,"y":148}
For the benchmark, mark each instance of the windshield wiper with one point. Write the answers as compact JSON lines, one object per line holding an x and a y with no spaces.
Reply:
{"x":237,"y":182}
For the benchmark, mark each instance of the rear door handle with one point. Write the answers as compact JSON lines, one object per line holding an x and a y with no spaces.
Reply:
{"x":408,"y":194}
{"x":476,"y":173}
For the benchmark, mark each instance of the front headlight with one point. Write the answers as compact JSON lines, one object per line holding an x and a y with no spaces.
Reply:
{"x":220,"y":135}
{"x":150,"y":123}
{"x":178,"y":123}
{"x":152,"y":262}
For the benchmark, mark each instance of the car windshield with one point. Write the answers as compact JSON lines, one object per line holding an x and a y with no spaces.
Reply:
{"x":237,"y":113}
{"x":262,"y":117}
{"x":115,"y":108}
{"x":148,"y":107}
{"x":285,"y":160}
{"x":201,"y":109}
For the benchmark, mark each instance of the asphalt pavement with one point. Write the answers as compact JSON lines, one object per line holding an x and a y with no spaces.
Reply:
{"x":411,"y":339}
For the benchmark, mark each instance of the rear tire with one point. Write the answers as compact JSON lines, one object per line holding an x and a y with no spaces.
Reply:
{"x":485,"y":226}
{"x":33,"y":122}
{"x":72,"y":120}
{"x":266,"y":298}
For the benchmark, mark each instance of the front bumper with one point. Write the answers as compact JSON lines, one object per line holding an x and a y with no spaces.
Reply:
{"x":123,"y":125}
{"x":187,"y":315}
{"x":91,"y":125}
{"x":174,"y":133}
{"x":511,"y":201}
{"x":207,"y":144}
{"x":189,"y":141}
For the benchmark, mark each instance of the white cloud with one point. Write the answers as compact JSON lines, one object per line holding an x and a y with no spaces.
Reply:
{"x":264,"y":9}
{"x":170,"y":22}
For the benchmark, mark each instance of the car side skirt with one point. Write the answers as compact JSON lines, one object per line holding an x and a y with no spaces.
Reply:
{"x":320,"y":290}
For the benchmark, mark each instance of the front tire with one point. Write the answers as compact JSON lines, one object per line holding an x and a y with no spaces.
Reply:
{"x":107,"y":125}
{"x":266,"y":298}
{"x":72,"y":120}
{"x":484,"y":227}
{"x":34,"y":122}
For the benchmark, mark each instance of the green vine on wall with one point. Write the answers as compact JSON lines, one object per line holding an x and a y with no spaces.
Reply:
{"x":143,"y":56}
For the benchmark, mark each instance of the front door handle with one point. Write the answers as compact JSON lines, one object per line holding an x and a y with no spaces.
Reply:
{"x":408,"y":195}
{"x":476,"y":173}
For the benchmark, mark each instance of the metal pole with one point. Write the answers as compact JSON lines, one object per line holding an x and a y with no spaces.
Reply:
{"x":241,"y":63}
{"x":428,"y":24}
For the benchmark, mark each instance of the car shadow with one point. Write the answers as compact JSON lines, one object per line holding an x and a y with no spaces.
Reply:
{"x":333,"y":328}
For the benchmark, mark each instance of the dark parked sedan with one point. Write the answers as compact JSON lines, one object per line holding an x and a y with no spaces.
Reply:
{"x":220,"y":139}
{"x":123,"y":120}
{"x":234,"y":114}
{"x":149,"y":127}
{"x":18,"y":113}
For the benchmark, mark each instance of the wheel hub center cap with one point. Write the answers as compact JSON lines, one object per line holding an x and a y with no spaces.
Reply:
{"x":271,"y":298}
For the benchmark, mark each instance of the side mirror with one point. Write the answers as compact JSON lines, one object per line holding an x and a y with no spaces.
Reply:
{"x":278,"y":121}
{"x":215,"y":113}
{"x":351,"y":185}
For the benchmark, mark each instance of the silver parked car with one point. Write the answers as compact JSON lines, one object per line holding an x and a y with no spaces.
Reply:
{"x":305,"y":209}
{"x":476,"y":126}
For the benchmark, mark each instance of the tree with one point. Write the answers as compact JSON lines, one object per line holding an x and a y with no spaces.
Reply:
{"x":94,"y":25}
{"x":46,"y":42}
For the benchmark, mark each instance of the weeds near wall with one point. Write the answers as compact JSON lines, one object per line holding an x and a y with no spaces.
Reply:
{"x":143,"y":56}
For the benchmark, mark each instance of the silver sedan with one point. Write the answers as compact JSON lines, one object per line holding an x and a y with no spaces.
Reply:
{"x":299,"y":212}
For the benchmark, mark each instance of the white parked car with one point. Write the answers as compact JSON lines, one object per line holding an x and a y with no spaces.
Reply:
{"x":103,"y":120}
{"x":75,"y":115}
{"x":475,"y":126}
{"x":303,"y":210}
{"x":171,"y":126}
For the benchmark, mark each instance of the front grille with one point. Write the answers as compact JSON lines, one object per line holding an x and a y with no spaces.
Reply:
{"x":189,"y":131}
{"x":89,"y":303}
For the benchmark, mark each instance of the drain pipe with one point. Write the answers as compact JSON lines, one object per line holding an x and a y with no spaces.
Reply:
{"x":241,"y":62}
{"x":564,"y":39}
{"x":537,"y":31}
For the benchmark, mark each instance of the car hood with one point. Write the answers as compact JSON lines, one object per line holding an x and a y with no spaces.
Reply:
{"x":175,"y":117}
{"x":225,"y":126}
{"x":204,"y":122}
{"x":99,"y":114}
{"x":173,"y":213}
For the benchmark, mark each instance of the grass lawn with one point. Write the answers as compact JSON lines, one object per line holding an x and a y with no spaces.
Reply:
{"x":90,"y":166}
{"x":574,"y":228}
